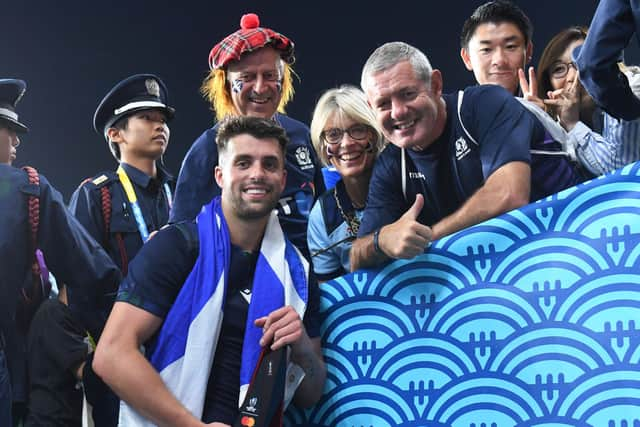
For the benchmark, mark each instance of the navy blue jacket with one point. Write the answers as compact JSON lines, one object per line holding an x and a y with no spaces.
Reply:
{"x":86,"y":205}
{"x":71,"y":254}
{"x":612,"y":27}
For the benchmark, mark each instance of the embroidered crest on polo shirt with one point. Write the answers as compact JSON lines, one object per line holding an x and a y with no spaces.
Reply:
{"x":153,"y":88}
{"x":462,"y":148}
{"x":303,"y":157}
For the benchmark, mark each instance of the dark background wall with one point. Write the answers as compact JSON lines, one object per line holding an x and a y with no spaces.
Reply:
{"x":71,"y":53}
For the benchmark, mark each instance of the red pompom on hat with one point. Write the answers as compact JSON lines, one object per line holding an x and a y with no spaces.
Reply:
{"x":250,"y":20}
{"x":248,"y":38}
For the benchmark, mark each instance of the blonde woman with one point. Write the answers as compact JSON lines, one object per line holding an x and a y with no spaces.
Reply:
{"x":344,"y":134}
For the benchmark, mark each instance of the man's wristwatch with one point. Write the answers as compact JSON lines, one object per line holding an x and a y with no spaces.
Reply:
{"x":376,"y":242}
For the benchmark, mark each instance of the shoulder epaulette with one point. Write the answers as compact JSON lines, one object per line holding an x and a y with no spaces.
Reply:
{"x":99,"y":180}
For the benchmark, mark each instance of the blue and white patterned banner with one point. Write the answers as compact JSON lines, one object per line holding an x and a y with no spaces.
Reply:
{"x":529,"y":319}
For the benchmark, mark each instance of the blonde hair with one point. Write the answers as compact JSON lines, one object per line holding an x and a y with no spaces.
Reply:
{"x":216,"y":90}
{"x":345,"y":101}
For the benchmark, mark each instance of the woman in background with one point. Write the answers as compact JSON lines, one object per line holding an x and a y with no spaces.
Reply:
{"x":601,"y":142}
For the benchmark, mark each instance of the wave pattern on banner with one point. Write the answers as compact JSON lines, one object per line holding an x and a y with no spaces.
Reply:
{"x":529,"y":319}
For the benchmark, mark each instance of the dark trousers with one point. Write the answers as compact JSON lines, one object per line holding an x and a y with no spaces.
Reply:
{"x":105,"y":403}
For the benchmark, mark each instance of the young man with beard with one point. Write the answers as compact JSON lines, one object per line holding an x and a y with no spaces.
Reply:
{"x":121,"y":208}
{"x":251,"y":75}
{"x":212,"y":273}
{"x":454,"y":160}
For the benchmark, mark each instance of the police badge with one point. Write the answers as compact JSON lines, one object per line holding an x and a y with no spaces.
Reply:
{"x":153,"y":88}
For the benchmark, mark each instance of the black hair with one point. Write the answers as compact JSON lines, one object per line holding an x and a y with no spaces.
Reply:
{"x":496,"y":12}
{"x":120,"y":124}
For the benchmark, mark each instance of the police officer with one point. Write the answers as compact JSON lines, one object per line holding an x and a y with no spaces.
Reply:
{"x":71,"y":254}
{"x":121,"y":208}
{"x":251,"y":75}
{"x":11,"y":90}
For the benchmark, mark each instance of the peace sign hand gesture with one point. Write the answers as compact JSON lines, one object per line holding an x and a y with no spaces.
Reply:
{"x":530,"y":88}
{"x":566,"y":100}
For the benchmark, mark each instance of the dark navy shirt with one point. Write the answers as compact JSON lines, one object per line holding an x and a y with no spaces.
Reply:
{"x":71,"y":254}
{"x":196,"y":185}
{"x":613,"y":25}
{"x":490,"y":130}
{"x":153,"y":284}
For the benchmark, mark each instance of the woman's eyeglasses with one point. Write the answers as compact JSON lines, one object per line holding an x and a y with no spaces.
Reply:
{"x":560,"y":69}
{"x":355,"y":132}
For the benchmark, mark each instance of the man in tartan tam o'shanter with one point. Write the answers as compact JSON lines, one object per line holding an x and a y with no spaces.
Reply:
{"x":234,"y":91}
{"x":251,"y":75}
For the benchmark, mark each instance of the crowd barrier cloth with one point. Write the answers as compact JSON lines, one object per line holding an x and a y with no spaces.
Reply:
{"x":528,"y":319}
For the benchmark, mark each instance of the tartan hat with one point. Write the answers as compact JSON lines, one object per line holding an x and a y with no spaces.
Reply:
{"x":248,"y":38}
{"x":11,"y":91}
{"x":135,"y":93}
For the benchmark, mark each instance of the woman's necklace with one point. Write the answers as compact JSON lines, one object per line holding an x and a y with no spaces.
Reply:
{"x":353,"y":223}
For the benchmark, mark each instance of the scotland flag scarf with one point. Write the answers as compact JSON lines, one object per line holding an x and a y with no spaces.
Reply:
{"x":184,"y":350}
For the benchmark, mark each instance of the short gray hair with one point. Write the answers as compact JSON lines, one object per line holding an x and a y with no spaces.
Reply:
{"x":392,"y":53}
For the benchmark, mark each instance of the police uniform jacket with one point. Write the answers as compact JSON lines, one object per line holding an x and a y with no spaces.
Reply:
{"x":87,"y":205}
{"x":71,"y":254}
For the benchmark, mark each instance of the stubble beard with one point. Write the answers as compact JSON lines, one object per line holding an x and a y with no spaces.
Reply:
{"x":253,"y":211}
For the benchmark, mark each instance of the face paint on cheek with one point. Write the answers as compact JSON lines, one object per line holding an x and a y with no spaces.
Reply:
{"x":279,"y":86}
{"x":332,"y":150}
{"x":236,"y":86}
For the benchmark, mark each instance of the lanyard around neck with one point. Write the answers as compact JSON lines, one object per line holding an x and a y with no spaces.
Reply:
{"x":135,"y":206}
